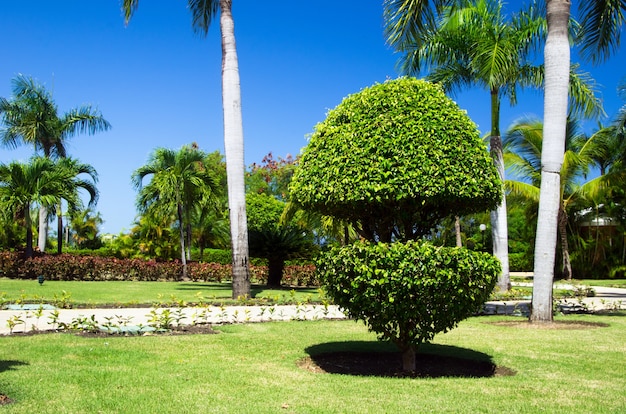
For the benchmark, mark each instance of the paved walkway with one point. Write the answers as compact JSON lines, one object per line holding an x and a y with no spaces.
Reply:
{"x":35,"y":317}
{"x":605,"y":298}
{"x":127,"y":319}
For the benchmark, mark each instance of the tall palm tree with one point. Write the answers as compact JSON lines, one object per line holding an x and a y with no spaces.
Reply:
{"x":31,"y":117}
{"x":40,"y":182}
{"x":601,"y":26}
{"x":475,"y":44}
{"x":203,"y":12}
{"x":179,"y":181}
{"x":406,"y":19}
{"x":523,"y":148}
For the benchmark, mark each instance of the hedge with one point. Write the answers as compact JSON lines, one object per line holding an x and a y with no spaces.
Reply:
{"x":94,"y":268}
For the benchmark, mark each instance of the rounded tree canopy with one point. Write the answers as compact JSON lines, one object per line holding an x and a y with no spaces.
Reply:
{"x":395,"y":159}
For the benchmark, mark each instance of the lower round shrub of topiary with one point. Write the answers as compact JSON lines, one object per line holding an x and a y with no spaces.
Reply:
{"x":407,"y":292}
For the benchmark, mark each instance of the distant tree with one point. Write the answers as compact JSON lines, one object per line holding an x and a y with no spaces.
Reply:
{"x":524,"y":143}
{"x":40,"y":182}
{"x":77,"y":170}
{"x":273,"y":240}
{"x":85,"y":226}
{"x":31,"y":117}
{"x":179,"y":180}
{"x":394,"y":160}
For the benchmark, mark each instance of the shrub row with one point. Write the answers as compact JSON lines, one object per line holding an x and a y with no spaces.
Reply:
{"x":94,"y":268}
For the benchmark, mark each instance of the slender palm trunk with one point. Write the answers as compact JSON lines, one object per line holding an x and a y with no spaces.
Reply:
{"x":43,"y":228}
{"x":567,"y":264}
{"x":189,"y":239}
{"x":457,"y":231}
{"x":557,"y":62}
{"x":233,"y":145}
{"x":181,"y":228}
{"x":59,"y":228}
{"x":29,"y":232}
{"x":499,"y":222}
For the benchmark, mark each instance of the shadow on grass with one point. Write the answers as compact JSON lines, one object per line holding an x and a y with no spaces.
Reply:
{"x":382,"y":359}
{"x":10,"y":365}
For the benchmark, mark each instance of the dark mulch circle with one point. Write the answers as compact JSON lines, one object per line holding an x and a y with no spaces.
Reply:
{"x":556,"y":325}
{"x":389,"y":364}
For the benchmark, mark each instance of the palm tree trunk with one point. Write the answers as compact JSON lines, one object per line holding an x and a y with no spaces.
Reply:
{"x":59,"y":228}
{"x":43,"y":228}
{"x":567,"y":264}
{"x":557,"y":62}
{"x":182,"y":241}
{"x":233,"y":146}
{"x":499,"y":222}
{"x":29,"y":232}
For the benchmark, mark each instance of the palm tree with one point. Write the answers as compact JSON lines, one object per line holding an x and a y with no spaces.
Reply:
{"x":179,"y":181}
{"x":474,"y":44}
{"x":524,"y":142}
{"x":32,"y":117}
{"x":406,"y":19}
{"x":85,"y":225}
{"x":75,"y":169}
{"x":601,"y":25}
{"x":40,"y":182}
{"x":203,"y":12}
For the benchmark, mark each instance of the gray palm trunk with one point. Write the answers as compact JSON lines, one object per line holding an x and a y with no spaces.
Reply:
{"x":557,"y":63}
{"x":183,"y":256}
{"x":499,"y":220}
{"x":43,"y":228}
{"x":233,"y":146}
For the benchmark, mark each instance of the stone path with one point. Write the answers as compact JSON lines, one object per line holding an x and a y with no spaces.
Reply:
{"x":36,"y":317}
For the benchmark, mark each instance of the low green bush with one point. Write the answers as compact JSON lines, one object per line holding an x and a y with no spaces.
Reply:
{"x":408,"y":292}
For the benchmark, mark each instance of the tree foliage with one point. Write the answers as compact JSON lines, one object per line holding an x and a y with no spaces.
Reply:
{"x":394,"y":159}
{"x":408,"y":292}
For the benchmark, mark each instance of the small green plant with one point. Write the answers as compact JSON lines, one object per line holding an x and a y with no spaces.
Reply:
{"x":54,"y":318}
{"x":81,"y":324}
{"x":37,"y":313}
{"x":161,"y":321}
{"x":14,"y":321}
{"x":63,"y":301}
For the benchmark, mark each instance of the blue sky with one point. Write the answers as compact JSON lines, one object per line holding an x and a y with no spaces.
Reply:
{"x":159,"y":84}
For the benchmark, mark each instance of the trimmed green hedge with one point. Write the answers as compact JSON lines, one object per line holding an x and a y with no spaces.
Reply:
{"x":408,"y":292}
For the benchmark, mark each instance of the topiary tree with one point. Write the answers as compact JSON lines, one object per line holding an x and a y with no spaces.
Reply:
{"x":394,"y":160}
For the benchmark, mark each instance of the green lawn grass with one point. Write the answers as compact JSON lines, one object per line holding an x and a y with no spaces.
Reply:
{"x":252,"y":368}
{"x":93,"y":294}
{"x":618,"y":283}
